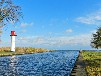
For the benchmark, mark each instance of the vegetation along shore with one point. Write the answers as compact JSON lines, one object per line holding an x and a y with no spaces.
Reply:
{"x":92,"y":61}
{"x":88,"y":64}
{"x":5,"y":51}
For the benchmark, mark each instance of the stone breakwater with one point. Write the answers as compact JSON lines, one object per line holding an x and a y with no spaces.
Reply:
{"x":59,"y":63}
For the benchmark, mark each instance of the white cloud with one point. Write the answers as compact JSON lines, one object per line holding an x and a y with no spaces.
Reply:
{"x":69,"y":30}
{"x":24,"y":24}
{"x":83,"y":40}
{"x":22,"y":38}
{"x":92,"y":18}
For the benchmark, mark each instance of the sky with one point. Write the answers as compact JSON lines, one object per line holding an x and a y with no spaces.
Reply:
{"x":55,"y":24}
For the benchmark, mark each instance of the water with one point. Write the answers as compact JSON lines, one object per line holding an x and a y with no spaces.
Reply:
{"x":59,"y":63}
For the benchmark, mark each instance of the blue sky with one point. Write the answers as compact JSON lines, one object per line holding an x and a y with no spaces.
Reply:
{"x":55,"y":24}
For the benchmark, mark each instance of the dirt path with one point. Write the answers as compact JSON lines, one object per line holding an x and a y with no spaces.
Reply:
{"x":79,"y":68}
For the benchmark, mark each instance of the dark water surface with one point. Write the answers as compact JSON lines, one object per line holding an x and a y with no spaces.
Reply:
{"x":59,"y":63}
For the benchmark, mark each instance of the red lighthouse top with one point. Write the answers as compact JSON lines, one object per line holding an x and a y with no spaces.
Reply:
{"x":13,"y":33}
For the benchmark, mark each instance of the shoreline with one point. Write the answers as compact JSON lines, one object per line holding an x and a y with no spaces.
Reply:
{"x":88,"y":63}
{"x":79,"y":67}
{"x":5,"y":51}
{"x":15,"y":53}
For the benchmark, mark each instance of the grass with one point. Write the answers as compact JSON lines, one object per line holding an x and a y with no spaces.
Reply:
{"x":93,"y":62}
{"x":5,"y":51}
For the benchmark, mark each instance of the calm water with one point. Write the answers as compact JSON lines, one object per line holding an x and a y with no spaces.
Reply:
{"x":58,"y":63}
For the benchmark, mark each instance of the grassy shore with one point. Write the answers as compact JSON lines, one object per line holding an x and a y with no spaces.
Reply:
{"x":92,"y":61}
{"x":88,"y":64}
{"x":5,"y":51}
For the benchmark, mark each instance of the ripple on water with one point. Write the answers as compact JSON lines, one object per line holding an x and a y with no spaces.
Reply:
{"x":58,"y":63}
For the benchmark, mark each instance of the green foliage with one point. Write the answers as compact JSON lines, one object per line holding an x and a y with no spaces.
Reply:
{"x":9,"y":12}
{"x":96,"y":40}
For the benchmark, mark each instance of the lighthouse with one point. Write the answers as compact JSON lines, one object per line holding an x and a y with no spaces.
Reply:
{"x":13,"y":41}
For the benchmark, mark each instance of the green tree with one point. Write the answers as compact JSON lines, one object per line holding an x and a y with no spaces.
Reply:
{"x":9,"y":12}
{"x":96,"y":40}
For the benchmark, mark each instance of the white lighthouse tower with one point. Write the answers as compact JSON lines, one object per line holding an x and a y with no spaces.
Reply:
{"x":13,"y":41}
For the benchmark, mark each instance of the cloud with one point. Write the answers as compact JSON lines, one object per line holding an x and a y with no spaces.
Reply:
{"x":24,"y":24}
{"x":82,"y":40}
{"x":92,"y":18}
{"x":69,"y":30}
{"x":21,"y":38}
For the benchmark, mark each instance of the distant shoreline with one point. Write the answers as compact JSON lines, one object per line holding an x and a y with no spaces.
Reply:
{"x":5,"y":51}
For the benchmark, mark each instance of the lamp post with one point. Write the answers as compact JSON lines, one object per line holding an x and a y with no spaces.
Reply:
{"x":13,"y":41}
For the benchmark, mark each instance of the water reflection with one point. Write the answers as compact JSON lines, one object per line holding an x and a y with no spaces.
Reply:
{"x":12,"y":65}
{"x":43,"y":64}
